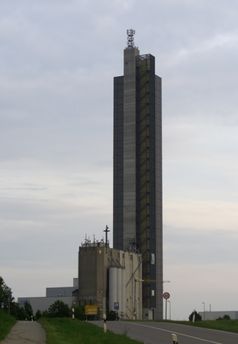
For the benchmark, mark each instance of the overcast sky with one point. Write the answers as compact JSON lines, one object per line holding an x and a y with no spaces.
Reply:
{"x":57,"y":63}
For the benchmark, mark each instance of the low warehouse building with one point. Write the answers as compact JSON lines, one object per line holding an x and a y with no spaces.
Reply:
{"x":68,"y":295}
{"x":214,"y":315}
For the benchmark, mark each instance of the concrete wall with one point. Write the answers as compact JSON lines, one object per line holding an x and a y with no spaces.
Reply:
{"x":113,"y":274}
{"x":125,"y":290}
{"x":93,"y":275}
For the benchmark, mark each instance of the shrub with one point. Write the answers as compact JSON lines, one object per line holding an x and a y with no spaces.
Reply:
{"x":112,"y":315}
{"x":195,"y":316}
{"x":17,"y":311}
{"x":38,"y":314}
{"x":79,"y":312}
{"x":5,"y":295}
{"x":28,"y":310}
{"x":59,"y":309}
{"x":225,"y":317}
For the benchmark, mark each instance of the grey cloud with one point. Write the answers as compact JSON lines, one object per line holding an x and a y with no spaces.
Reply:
{"x":200,"y":247}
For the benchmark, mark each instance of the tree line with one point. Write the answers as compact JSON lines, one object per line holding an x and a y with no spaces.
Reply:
{"x":25,"y":312}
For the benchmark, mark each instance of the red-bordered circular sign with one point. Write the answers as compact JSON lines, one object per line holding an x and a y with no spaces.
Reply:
{"x":166,"y":295}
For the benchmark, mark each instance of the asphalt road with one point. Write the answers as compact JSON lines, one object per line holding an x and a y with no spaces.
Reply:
{"x":161,"y":333}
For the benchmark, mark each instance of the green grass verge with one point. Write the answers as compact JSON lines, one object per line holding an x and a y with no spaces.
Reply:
{"x":223,"y":325}
{"x":68,"y":331}
{"x":6,"y":323}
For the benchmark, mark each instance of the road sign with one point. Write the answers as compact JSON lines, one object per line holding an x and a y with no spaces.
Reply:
{"x":166,"y":295}
{"x":91,"y":309}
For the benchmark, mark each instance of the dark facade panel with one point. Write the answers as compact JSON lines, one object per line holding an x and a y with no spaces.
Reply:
{"x":146,"y":175}
{"x":118,"y":164}
{"x":158,"y":197}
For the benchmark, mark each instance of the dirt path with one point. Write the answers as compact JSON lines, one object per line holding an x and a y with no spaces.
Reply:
{"x":25,"y":332}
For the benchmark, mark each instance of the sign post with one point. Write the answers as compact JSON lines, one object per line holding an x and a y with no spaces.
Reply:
{"x":73,"y":313}
{"x":166,"y":296}
{"x":104,"y":323}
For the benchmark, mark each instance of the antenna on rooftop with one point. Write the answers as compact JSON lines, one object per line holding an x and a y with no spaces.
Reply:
{"x":130,"y":38}
{"x":106,"y":230}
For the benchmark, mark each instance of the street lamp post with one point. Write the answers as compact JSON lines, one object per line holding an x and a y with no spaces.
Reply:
{"x":169,"y":302}
{"x":204,"y":310}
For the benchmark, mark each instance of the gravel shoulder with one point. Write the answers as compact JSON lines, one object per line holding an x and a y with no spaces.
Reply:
{"x":26,"y":332}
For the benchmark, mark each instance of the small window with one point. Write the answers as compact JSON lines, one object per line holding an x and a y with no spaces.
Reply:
{"x":152,"y":292}
{"x":152,"y":258}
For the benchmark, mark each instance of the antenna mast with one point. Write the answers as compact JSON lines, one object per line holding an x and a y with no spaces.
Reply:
{"x":130,"y":38}
{"x":106,"y":230}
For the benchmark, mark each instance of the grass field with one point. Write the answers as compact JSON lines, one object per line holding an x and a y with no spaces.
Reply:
{"x":6,"y":323}
{"x":224,"y":325}
{"x":68,"y":331}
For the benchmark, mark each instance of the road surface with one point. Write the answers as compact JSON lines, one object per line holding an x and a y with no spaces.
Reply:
{"x":161,"y":333}
{"x":25,"y":332}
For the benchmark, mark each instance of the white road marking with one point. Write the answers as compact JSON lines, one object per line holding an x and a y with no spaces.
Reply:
{"x":179,"y":333}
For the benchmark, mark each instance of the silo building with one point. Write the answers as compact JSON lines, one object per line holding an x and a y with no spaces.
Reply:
{"x":137,"y":171}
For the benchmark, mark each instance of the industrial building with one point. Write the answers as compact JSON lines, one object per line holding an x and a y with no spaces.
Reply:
{"x":110,"y":279}
{"x":137,"y":170}
{"x":68,"y":295}
{"x":214,"y":315}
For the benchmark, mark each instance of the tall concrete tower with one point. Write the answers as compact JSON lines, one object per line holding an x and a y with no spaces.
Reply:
{"x":137,"y":192}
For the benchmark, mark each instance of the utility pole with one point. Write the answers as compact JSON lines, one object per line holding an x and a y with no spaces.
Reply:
{"x":204,"y":310}
{"x":106,"y":231}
